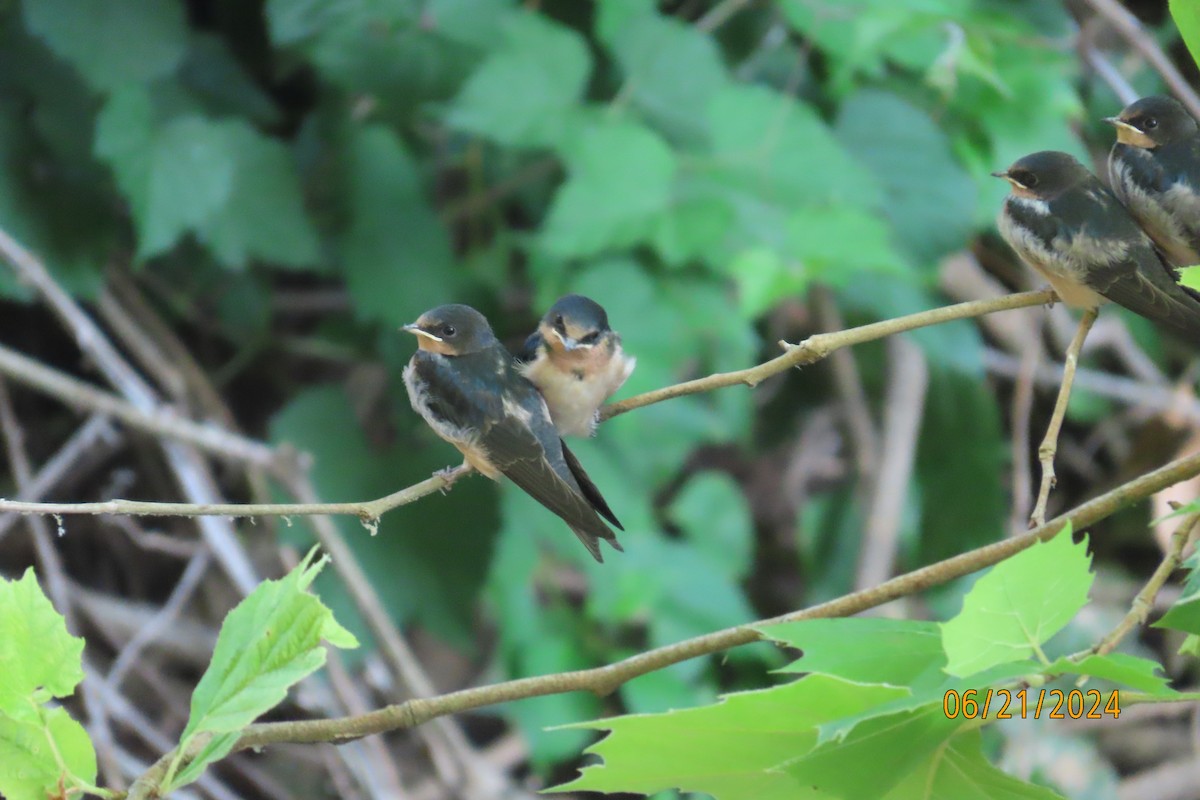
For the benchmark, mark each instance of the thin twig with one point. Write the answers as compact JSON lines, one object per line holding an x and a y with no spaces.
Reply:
{"x":606,"y":679}
{"x":1143,"y":603}
{"x":160,"y":421}
{"x":809,"y":351}
{"x":187,"y":584}
{"x":816,"y":347}
{"x":1049,"y":444}
{"x":904,"y":408}
{"x":368,"y":511}
{"x":88,"y":446}
{"x":457,"y":763}
{"x":1158,"y":398}
{"x":1133,"y":32}
{"x":191,"y":472}
{"x":847,"y":379}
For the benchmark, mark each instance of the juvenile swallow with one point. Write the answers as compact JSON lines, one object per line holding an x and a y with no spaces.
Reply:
{"x":1066,"y":225}
{"x":575,"y":360}
{"x":1154,"y":169}
{"x":465,"y":385}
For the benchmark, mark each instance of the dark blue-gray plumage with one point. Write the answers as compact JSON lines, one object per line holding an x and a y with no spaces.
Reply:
{"x":464,"y":383}
{"x":576,"y":361}
{"x":1154,"y":169}
{"x":1070,"y":228}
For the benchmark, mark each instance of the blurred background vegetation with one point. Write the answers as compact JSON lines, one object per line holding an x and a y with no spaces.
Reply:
{"x":277,"y":186}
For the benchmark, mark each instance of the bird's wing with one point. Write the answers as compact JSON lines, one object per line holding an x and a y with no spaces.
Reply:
{"x":529,"y":350}
{"x":588,"y":488}
{"x":1146,"y":285}
{"x":525,"y":447}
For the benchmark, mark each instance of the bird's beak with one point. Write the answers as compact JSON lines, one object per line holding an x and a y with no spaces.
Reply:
{"x":568,"y":343}
{"x":1000,"y":175}
{"x":1128,"y":134}
{"x":413,"y":328}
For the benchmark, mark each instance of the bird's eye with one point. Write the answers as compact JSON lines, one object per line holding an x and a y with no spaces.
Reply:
{"x":590,"y":338}
{"x":559,"y":325}
{"x":1149,"y":124}
{"x":1026,"y":179}
{"x":448,"y":331}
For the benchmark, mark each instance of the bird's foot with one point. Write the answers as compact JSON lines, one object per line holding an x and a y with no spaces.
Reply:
{"x":450,"y":475}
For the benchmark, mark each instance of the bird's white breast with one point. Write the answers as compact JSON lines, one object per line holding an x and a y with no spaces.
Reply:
{"x":573,"y":401}
{"x":1062,"y":262}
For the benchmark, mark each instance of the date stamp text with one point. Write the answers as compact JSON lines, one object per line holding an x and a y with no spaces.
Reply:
{"x":1031,"y":704}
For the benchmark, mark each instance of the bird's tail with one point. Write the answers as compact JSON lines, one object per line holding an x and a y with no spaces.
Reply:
{"x":592,"y":542}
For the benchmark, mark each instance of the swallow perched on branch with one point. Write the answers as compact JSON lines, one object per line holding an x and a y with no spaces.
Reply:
{"x":466,"y":386}
{"x":1154,"y":169}
{"x":1065,"y":224}
{"x":575,"y":360}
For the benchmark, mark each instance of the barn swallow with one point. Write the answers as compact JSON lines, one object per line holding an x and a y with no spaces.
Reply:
{"x":575,"y":360}
{"x":465,"y":385}
{"x":1154,"y":169}
{"x":1070,"y":228}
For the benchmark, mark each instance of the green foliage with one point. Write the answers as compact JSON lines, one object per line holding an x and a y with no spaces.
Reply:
{"x":695,"y":178}
{"x":1190,"y":276}
{"x":524,"y":93}
{"x":1184,"y":615}
{"x":42,"y":749}
{"x":267,"y":643}
{"x":871,"y":715}
{"x":605,"y":204}
{"x":429,"y":559}
{"x":113,"y":43}
{"x":222,"y":181}
{"x":1016,"y":607}
{"x":1187,"y":19}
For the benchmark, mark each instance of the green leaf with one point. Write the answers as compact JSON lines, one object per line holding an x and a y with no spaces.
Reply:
{"x":1184,"y":614}
{"x":671,"y":69}
{"x":1190,"y":276}
{"x":620,"y":177}
{"x":763,"y":279}
{"x":42,"y":755}
{"x":113,"y":43}
{"x":778,"y":149}
{"x":862,"y":36}
{"x":263,"y":216}
{"x":214,"y":73}
{"x":959,"y":771}
{"x":1018,"y":605}
{"x":521,"y":95}
{"x":396,"y":251}
{"x":869,"y":650}
{"x":836,"y":242}
{"x":735,"y":748}
{"x":176,"y":176}
{"x":714,"y":513}
{"x":41,"y":748}
{"x":1187,"y":19}
{"x":927,"y":692}
{"x":235,"y":189}
{"x":429,"y":559}
{"x":55,"y":207}
{"x":268,"y":642}
{"x":1138,"y":673}
{"x":39,"y":659}
{"x":930,"y":199}
{"x":890,"y":745}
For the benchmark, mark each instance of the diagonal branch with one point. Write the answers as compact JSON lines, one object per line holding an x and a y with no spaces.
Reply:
{"x":603,"y":680}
